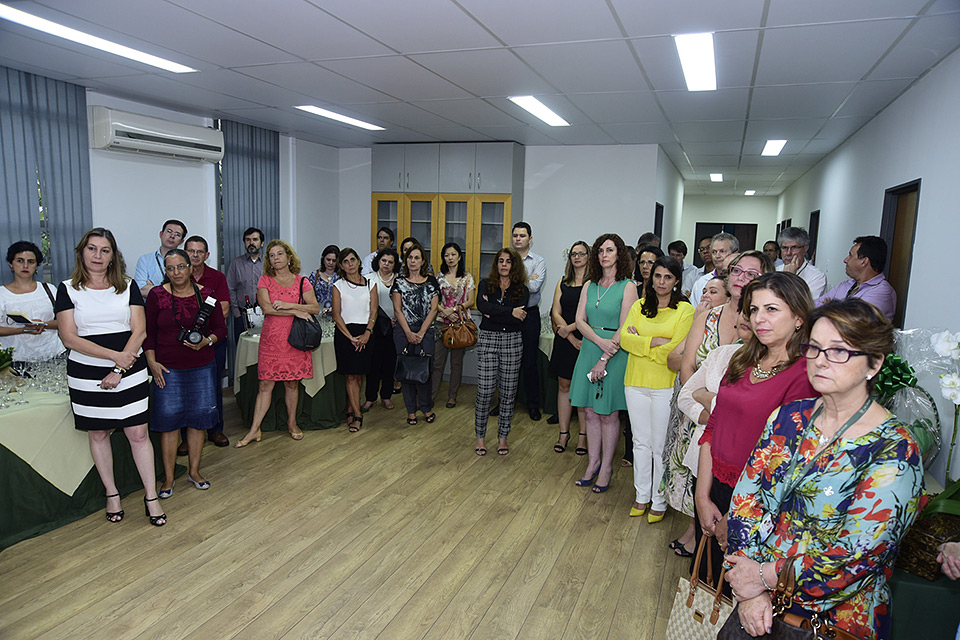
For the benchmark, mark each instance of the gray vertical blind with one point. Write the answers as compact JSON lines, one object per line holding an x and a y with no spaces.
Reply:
{"x":44,"y":156}
{"x":250,"y":190}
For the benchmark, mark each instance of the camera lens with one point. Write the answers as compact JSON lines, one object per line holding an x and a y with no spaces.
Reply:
{"x":194,"y":337}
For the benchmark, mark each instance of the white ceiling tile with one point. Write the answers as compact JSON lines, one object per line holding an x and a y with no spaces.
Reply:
{"x":799,"y":100}
{"x":672,"y":18}
{"x":541,"y":21}
{"x":735,"y":53}
{"x":705,"y":162}
{"x":822,"y":146}
{"x":317,"y":82}
{"x":870,"y":98}
{"x":518,"y":133}
{"x":170,"y":92}
{"x":471,"y":112}
{"x":454,"y":133}
{"x":471,"y":71}
{"x":626,"y":107}
{"x":319,"y":35}
{"x":397,"y":113}
{"x":641,"y":133}
{"x":711,"y":148}
{"x":840,"y":129}
{"x":230,"y":82}
{"x":658,"y":57}
{"x":924,"y":45}
{"x":755,"y":164}
{"x":826,"y":51}
{"x":790,"y":12}
{"x":719,"y":131}
{"x":428,"y":25}
{"x":784,"y":129}
{"x":586,"y":67}
{"x":688,"y":106}
{"x":397,"y":76}
{"x":583,"y":134}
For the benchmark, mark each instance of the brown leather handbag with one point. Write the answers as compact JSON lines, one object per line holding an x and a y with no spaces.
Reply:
{"x":461,"y":333}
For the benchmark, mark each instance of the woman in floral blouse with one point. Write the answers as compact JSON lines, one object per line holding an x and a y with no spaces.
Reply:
{"x":457,"y":294}
{"x":323,"y":278}
{"x":834,"y":482}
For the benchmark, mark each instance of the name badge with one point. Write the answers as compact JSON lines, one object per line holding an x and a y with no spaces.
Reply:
{"x":766,"y":527}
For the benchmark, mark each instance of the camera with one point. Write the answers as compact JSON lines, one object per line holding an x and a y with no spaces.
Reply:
{"x":195,"y":335}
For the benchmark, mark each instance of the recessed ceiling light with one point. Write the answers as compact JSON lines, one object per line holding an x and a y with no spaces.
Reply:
{"x":54,"y":29}
{"x":696,"y":59}
{"x":716,"y":177}
{"x":773,"y":147}
{"x":317,"y":111}
{"x":749,"y":192}
{"x":540,"y":110}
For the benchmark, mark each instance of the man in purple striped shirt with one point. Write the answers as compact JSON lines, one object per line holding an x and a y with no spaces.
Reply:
{"x":864,"y":264}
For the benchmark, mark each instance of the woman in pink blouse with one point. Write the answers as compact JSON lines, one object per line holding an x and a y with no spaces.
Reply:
{"x":457,"y":295}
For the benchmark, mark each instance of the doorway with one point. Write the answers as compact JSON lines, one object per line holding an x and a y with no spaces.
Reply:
{"x":745,"y":233}
{"x":898,"y":228}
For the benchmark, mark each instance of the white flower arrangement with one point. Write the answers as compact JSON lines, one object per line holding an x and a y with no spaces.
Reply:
{"x":947,"y":345}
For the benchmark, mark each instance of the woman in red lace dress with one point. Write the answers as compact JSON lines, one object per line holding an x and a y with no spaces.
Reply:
{"x":278,"y":294}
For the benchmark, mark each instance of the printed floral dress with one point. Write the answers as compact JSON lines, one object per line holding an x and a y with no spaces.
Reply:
{"x":844,"y":520}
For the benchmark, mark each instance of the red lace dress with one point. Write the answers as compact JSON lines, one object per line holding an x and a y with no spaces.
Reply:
{"x":277,"y":360}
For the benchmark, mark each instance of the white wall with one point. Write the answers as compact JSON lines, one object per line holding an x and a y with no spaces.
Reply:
{"x":580,"y":192}
{"x":915,"y":137}
{"x":312,"y":185}
{"x":355,"y":200}
{"x":133,"y":195}
{"x":737,"y":209}
{"x":670,"y":195}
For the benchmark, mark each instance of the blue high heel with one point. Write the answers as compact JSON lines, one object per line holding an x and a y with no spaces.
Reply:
{"x":587,"y":482}
{"x":600,"y":488}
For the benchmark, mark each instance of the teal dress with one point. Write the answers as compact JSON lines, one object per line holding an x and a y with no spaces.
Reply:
{"x":605,"y":314}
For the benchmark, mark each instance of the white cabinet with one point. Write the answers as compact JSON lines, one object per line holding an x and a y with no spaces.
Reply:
{"x":405,"y":168}
{"x":481,"y":167}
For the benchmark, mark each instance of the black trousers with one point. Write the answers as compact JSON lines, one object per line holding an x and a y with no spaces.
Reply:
{"x":530,"y":334}
{"x":382,"y":364}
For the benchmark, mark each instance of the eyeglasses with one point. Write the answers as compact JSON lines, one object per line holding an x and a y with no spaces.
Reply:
{"x":750,"y":273}
{"x":837,"y":355}
{"x":578,"y":254}
{"x":177,"y":267}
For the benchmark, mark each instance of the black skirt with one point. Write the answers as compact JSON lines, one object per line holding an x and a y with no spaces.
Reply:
{"x":349,"y":360}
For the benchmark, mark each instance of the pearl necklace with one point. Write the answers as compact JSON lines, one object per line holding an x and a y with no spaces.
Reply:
{"x":760,"y":374}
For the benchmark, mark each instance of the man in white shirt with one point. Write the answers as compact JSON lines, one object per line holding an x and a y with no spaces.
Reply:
{"x":794,"y":242}
{"x":536,"y":268}
{"x":385,"y":240}
{"x":722,"y":246}
{"x":678,"y":251}
{"x":149,"y":273}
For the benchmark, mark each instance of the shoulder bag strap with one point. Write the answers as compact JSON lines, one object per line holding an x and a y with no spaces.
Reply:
{"x":49,"y":295}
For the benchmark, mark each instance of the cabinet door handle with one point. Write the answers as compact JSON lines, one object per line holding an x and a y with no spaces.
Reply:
{"x":470,"y":180}
{"x":399,"y":180}
{"x":408,"y":179}
{"x":478,"y":179}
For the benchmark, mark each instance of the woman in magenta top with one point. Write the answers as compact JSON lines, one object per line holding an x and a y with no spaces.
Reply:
{"x":184,"y":371}
{"x":764,"y":374}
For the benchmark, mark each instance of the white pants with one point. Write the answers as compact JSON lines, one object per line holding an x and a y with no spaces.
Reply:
{"x":649,"y":416}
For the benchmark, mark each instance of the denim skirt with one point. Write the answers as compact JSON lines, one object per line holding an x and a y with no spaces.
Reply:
{"x":188,"y":399}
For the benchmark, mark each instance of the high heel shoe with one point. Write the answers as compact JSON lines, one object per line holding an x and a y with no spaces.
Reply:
{"x":203,"y":486}
{"x":600,"y":488}
{"x":241,"y":443}
{"x":163,"y":494}
{"x":157,"y":521}
{"x":587,"y":482}
{"x":654,"y":518}
{"x":357,"y":425}
{"x":114,"y":516}
{"x":560,"y":448}
{"x":634,"y":512}
{"x":297,"y":435}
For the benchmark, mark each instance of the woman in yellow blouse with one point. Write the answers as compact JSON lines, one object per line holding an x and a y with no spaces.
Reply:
{"x":656,"y":323}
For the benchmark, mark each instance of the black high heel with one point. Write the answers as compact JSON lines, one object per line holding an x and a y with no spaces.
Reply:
{"x":154,"y":520}
{"x":114,"y":516}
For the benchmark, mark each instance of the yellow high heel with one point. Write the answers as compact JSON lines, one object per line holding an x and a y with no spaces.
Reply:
{"x":634,"y":512}
{"x":244,"y":441}
{"x":653,"y":518}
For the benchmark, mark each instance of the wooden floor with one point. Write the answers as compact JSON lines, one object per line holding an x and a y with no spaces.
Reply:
{"x":395,"y":532}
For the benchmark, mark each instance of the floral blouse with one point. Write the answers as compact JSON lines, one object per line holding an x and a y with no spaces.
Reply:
{"x":453,"y":294}
{"x":844,"y":520}
{"x":323,"y":289}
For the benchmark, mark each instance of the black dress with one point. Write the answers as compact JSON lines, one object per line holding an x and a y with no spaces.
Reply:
{"x":565,"y":354}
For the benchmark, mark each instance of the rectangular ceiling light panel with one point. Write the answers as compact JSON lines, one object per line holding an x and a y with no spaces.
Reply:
{"x":697,"y":60}
{"x":773,"y":147}
{"x":317,"y":111}
{"x":540,"y":110}
{"x":54,"y":29}
{"x":749,"y":192}
{"x":716,"y":177}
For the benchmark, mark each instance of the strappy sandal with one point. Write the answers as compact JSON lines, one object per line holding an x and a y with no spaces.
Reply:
{"x":481,"y":451}
{"x":357,"y":425}
{"x":412,"y":422}
{"x":114,"y":516}
{"x":430,"y":417}
{"x":580,"y":451}
{"x":157,"y":521}
{"x":560,"y":448}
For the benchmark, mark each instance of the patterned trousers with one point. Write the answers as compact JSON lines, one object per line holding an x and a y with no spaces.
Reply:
{"x":498,"y":366}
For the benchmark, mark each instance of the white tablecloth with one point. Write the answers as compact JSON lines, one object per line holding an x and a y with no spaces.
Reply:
{"x":324,"y":361}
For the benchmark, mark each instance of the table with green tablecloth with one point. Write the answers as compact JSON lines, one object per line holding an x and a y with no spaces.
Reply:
{"x":322,"y":401}
{"x":47,"y":477}
{"x":924,"y":610}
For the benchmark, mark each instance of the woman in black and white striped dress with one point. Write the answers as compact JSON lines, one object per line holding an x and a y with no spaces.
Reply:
{"x":102,"y":322}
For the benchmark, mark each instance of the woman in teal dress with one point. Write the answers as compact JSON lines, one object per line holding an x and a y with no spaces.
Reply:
{"x":597,"y":383}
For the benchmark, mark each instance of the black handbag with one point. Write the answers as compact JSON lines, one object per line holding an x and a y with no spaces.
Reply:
{"x":413,"y":367}
{"x":383,"y":325}
{"x":305,"y":335}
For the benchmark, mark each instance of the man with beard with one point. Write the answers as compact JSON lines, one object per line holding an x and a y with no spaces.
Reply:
{"x":242,"y":277}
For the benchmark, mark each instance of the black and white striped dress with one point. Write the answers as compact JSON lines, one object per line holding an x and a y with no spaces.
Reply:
{"x":103,"y":317}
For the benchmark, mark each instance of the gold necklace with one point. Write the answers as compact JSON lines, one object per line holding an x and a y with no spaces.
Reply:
{"x":760,"y":374}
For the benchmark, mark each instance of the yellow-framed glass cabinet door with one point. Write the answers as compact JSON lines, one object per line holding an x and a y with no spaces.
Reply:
{"x":386,"y":209}
{"x":418,"y":220}
{"x":491,"y":228}
{"x":455,"y":225}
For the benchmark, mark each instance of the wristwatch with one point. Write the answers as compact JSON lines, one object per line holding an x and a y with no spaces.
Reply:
{"x":210,"y":340}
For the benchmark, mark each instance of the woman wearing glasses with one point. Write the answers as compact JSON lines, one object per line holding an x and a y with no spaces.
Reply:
{"x":183,"y":369}
{"x":712,"y":328}
{"x":834,"y":481}
{"x":764,"y":374}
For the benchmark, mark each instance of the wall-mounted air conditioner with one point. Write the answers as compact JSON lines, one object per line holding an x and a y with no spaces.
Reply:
{"x":123,"y":131}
